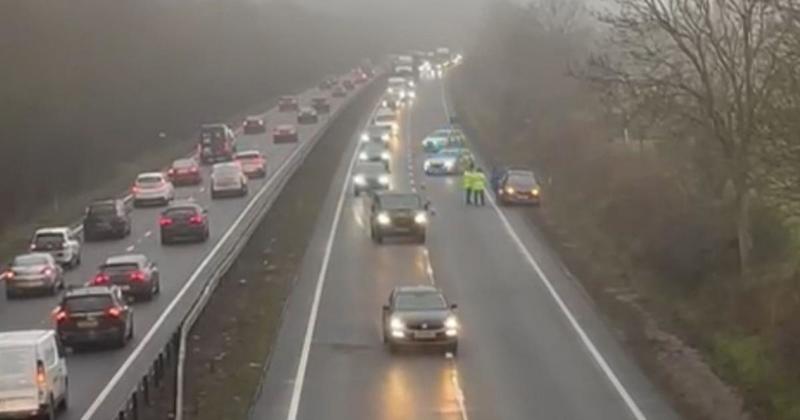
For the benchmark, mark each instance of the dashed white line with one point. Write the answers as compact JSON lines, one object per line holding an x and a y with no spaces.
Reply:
{"x":130,"y":248}
{"x":148,"y":233}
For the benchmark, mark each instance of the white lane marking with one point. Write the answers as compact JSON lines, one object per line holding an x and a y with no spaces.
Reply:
{"x":302,"y":365}
{"x":584,"y":338}
{"x":462,"y":405}
{"x":130,"y":248}
{"x":148,"y":233}
{"x":90,"y":412}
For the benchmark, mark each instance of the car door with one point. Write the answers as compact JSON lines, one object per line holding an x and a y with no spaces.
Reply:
{"x":53,"y":366}
{"x":152,"y":270}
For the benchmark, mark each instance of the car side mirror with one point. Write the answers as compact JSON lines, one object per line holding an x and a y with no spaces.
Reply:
{"x":454,"y":306}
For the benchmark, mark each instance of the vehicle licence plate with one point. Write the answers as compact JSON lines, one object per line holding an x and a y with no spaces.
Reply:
{"x":90,"y":323}
{"x":425,"y":335}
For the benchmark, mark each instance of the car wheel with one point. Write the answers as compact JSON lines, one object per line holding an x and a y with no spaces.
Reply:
{"x":356,"y":192}
{"x":453,"y":349}
{"x":213,"y":195}
{"x":10,"y":294}
{"x":157,"y":287}
{"x":50,"y":410}
{"x":130,"y":331}
{"x":78,"y":259}
{"x":385,"y":337}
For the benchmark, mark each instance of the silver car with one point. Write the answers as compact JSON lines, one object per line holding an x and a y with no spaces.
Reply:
{"x":34,"y":272}
{"x":228,"y":179}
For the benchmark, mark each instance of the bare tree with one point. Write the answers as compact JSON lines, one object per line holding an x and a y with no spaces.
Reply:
{"x":721,"y":66}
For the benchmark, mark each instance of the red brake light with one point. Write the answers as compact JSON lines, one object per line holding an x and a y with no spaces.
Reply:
{"x":171,"y":171}
{"x":165,"y":221}
{"x":193,"y":169}
{"x":134,"y":189}
{"x":47,"y":271}
{"x":101,"y":278}
{"x":8,"y":274}
{"x":137,"y":276}
{"x":113,"y":312}
{"x":60,"y":314}
{"x":196,"y":219}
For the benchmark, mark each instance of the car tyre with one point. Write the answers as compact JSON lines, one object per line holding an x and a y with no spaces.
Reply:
{"x":130,"y":331}
{"x":453,"y":349}
{"x":50,"y":413}
{"x":10,"y":294}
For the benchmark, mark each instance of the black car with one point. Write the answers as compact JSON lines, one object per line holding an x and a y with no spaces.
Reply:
{"x":106,"y":218}
{"x":338,"y":91}
{"x":94,"y":315}
{"x":184,"y":221}
{"x":134,"y":274}
{"x":254,"y":125}
{"x":369,"y":177}
{"x":321,"y":105}
{"x":307,"y":115}
{"x":288,"y":104}
{"x":398,"y":214}
{"x":419,"y":316}
{"x":518,"y":187}
{"x":348,"y":84}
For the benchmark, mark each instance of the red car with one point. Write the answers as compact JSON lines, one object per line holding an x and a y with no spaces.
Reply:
{"x":185,"y":172}
{"x":285,"y":133}
{"x":254,"y":125}
{"x":288,"y":104}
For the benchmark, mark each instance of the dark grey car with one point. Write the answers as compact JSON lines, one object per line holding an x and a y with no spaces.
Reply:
{"x":420,"y":316}
{"x":398,"y":214}
{"x":134,"y":274}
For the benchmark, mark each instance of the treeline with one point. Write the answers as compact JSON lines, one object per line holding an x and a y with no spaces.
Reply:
{"x":87,"y":84}
{"x":667,"y":137}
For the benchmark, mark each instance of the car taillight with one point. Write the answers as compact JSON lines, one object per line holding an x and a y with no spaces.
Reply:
{"x":194,"y":169}
{"x":41,"y":378}
{"x":165,"y":221}
{"x":47,"y":271}
{"x":134,"y":189}
{"x":33,"y":247}
{"x":60,"y":314}
{"x":101,"y":278}
{"x":9,"y":274}
{"x":171,"y":172}
{"x":137,"y":276}
{"x":196,"y":219}
{"x":113,"y":312}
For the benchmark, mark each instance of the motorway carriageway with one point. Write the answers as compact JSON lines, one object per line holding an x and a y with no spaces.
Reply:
{"x":532,"y":345}
{"x":90,"y":372}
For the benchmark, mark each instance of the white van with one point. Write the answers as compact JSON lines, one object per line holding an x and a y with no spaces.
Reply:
{"x":33,"y":374}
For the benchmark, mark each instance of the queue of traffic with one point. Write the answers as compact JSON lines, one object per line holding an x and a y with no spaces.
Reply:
{"x":101,"y":311}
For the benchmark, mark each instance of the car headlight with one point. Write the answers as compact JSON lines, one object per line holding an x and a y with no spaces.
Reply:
{"x":397,"y":324}
{"x":411,"y":84}
{"x":359,"y":179}
{"x":412,"y":94}
{"x":383,"y":179}
{"x":449,"y":164}
{"x":384,"y":219}
{"x":402,"y":94}
{"x":509,"y":190}
{"x":365,"y":137}
{"x":535,"y":191}
{"x":385,"y":137}
{"x":363,"y":156}
{"x":421,"y":218}
{"x":385,"y":156}
{"x":451,"y":323}
{"x":390,"y":90}
{"x":426,"y":165}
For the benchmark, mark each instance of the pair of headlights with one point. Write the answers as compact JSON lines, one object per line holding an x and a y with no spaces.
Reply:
{"x":365,"y":156}
{"x":384,"y":219}
{"x":362,"y":180}
{"x":397,"y":324}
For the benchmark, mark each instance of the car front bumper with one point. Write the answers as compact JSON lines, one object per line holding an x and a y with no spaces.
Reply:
{"x":412,"y":338}
{"x":520,"y":199}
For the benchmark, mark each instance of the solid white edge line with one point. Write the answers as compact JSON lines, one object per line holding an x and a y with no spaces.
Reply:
{"x":584,"y":338}
{"x":300,"y":374}
{"x":90,"y":412}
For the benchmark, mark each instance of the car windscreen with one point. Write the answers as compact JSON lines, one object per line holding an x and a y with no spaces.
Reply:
{"x":419,"y":301}
{"x":149,"y":180}
{"x":226,"y":171}
{"x":48,"y":239}
{"x":102,"y":209}
{"x":377,"y":130}
{"x":88,"y":303}
{"x":209,"y":135}
{"x":180,"y":212}
{"x":183,"y":163}
{"x":522,"y":181}
{"x":385,"y":118}
{"x":248,"y":156}
{"x":119,"y":268}
{"x":30,"y":260}
{"x":17,"y":368}
{"x":371,"y":170}
{"x":400,"y":201}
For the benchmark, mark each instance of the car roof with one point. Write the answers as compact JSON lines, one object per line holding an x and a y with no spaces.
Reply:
{"x":253,"y":117}
{"x":148,"y":174}
{"x":184,"y":160}
{"x":285,"y":127}
{"x":373,"y":147}
{"x":88,"y":291}
{"x":36,"y":254}
{"x":23,"y":337}
{"x":225,"y":165}
{"x":248,"y":153}
{"x":373,"y":167}
{"x":417,"y":289}
{"x":381,"y":194}
{"x":104,"y":201}
{"x":59,"y":229}
{"x":213,"y":125}
{"x":125,"y":259}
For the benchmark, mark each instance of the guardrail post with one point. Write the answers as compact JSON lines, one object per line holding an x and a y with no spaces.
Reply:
{"x":146,"y":389}
{"x":135,"y":405}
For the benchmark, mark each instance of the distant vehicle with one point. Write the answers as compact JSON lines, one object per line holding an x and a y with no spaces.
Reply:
{"x":448,"y":162}
{"x":217,"y":143}
{"x":359,"y":77}
{"x":443,"y":57}
{"x":106,"y":218}
{"x":254,"y":125}
{"x":228,"y":179}
{"x":339,"y":91}
{"x":327,"y":83}
{"x":386,"y":118}
{"x":60,"y":242}
{"x":253,"y":163}
{"x":390,"y":102}
{"x":404,"y":66}
{"x":184,"y":221}
{"x":518,"y":187}
{"x":152,"y":188}
{"x":185,"y":172}
{"x":288,"y":104}
{"x":307,"y":115}
{"x":377,"y":134}
{"x":94,"y":315}
{"x":321,"y":104}
{"x":33,"y":371}
{"x":375,"y":152}
{"x":35,"y":272}
{"x":419,"y":316}
{"x":348,"y":84}
{"x":398,"y":214}
{"x":370,"y":177}
{"x":442,"y":139}
{"x":284,"y":133}
{"x":134,"y":274}
{"x":400,"y":89}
